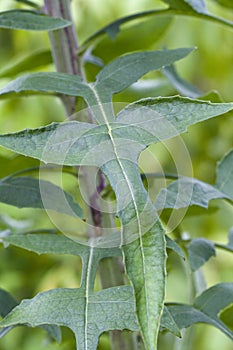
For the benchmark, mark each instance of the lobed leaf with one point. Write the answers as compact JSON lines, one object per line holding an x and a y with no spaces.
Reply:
{"x":29,"y":20}
{"x":114,"y":147}
{"x":205,"y":309}
{"x":28,"y":192}
{"x":67,"y":307}
{"x":8,"y":303}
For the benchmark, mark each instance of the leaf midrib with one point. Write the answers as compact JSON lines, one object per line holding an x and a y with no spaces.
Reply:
{"x":131,"y":192}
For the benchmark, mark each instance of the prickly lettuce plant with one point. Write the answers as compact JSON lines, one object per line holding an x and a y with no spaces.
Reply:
{"x":101,"y":144}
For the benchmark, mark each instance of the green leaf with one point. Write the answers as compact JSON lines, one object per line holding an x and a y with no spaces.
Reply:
{"x":83,"y":303}
{"x":23,"y":64}
{"x":200,"y":250}
{"x":168,"y":323}
{"x":171,"y":117}
{"x":127,"y":69}
{"x":224,"y":180}
{"x":124,"y":40}
{"x":28,"y":192}
{"x":177,"y":7}
{"x":145,"y":263}
{"x":205,"y":309}
{"x":171,"y":244}
{"x":50,"y":82}
{"x":114,"y":77}
{"x":8,"y":303}
{"x":59,"y":244}
{"x":87,"y":317}
{"x":187,"y":192}
{"x":114,"y":147}
{"x":55,"y":244}
{"x":226,"y":316}
{"x":179,"y":84}
{"x":29,"y":20}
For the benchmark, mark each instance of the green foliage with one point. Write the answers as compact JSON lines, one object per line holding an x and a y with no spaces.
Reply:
{"x":108,"y":140}
{"x":206,"y":308}
{"x":27,"y":192}
{"x":28,"y":20}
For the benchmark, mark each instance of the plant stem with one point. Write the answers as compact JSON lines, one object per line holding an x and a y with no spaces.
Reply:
{"x":64,"y":46}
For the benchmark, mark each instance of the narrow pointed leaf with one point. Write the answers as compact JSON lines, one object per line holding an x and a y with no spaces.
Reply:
{"x":66,"y":307}
{"x":205,"y":309}
{"x":28,"y":192}
{"x":200,"y":250}
{"x":125,"y":70}
{"x":145,"y":266}
{"x":29,"y":20}
{"x":49,"y":82}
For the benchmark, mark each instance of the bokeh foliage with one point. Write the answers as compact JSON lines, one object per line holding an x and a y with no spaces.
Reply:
{"x":209,"y":68}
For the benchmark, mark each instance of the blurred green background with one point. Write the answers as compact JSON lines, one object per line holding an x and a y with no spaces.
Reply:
{"x":210,"y":67}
